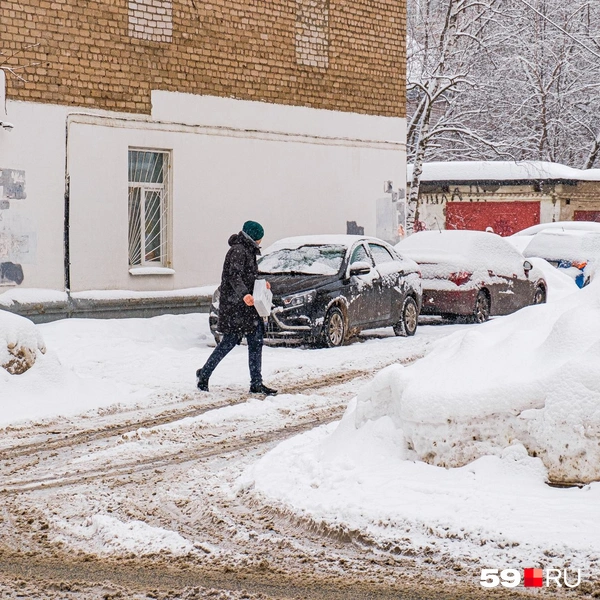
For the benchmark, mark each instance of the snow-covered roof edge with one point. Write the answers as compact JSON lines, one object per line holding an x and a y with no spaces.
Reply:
{"x":502,"y":171}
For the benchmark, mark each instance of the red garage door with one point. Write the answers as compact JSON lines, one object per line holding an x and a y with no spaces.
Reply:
{"x":505,"y":218}
{"x":587,"y":215}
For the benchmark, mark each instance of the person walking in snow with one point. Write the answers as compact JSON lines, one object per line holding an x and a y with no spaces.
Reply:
{"x":237,"y":315}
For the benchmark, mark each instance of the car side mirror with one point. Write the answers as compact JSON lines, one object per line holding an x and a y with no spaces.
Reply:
{"x":527,"y":266}
{"x":360,"y":268}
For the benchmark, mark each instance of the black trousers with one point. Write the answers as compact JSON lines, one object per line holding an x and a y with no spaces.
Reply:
{"x":229,"y":342}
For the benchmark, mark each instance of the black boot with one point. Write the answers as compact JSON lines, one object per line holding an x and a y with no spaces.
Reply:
{"x":260,"y":388}
{"x":201,"y":381}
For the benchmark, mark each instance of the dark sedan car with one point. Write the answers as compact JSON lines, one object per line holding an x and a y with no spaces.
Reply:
{"x":329,"y":287}
{"x":472,"y":274}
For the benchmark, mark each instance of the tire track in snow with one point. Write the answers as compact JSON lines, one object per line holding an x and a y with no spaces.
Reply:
{"x":210,"y":445}
{"x":85,"y":436}
{"x":192,"y":455}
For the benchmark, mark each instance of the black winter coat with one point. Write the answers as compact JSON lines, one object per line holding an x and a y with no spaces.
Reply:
{"x":240,"y":271}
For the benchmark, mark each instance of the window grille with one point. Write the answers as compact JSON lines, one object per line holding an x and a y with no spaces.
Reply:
{"x":148,"y":208}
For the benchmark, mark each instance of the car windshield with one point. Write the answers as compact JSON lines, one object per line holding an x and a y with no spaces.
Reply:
{"x":304,"y":260}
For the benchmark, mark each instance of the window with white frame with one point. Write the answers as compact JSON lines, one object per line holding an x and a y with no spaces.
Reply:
{"x":148,"y":208}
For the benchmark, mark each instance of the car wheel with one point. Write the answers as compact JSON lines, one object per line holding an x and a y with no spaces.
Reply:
{"x":540,"y":295}
{"x":407,"y":325}
{"x":334,"y":328}
{"x":481,"y":313}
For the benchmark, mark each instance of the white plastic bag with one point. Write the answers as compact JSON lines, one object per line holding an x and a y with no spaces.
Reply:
{"x":263,"y":298}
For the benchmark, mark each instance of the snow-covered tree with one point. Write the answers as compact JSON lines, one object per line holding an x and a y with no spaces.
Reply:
{"x":445,"y":40}
{"x":503,"y":79}
{"x":543,"y":99}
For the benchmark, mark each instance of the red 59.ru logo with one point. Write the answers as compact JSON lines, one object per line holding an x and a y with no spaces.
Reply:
{"x":510,"y":578}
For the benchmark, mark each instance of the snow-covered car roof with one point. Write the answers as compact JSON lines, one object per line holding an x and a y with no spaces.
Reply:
{"x":561,"y":226}
{"x":573,"y":245}
{"x":467,"y":249}
{"x":319,"y":240}
{"x":519,"y":242}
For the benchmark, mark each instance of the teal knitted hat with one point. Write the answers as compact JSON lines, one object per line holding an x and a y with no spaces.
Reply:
{"x":254,"y":230}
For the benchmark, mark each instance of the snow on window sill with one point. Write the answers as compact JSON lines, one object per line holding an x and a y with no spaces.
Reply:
{"x":151,"y":271}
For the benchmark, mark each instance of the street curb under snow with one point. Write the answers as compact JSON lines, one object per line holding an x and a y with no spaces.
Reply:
{"x":128,"y":306}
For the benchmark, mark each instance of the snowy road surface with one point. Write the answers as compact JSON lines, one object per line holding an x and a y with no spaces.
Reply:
{"x":119,"y":480}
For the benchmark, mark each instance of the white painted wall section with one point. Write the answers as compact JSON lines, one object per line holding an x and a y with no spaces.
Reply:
{"x":31,"y":228}
{"x":263,"y":116}
{"x":295,"y":170}
{"x":220,"y":179}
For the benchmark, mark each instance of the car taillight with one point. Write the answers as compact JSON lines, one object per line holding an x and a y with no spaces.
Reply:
{"x":459,"y":278}
{"x":579,"y":265}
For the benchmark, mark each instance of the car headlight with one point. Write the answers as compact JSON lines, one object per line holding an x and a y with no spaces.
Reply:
{"x":298,"y":299}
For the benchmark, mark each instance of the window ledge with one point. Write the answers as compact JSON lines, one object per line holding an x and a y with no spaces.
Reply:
{"x":151,"y":271}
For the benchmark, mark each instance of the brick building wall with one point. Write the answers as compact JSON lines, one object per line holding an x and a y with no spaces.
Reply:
{"x":582,"y":198}
{"x":346,"y":55}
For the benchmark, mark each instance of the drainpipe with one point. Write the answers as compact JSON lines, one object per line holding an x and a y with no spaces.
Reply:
{"x":66,"y":230}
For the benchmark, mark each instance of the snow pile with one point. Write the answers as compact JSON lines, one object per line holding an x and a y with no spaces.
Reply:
{"x":18,"y":295}
{"x":357,"y":483}
{"x":110,"y":534}
{"x":532,"y":378}
{"x":74,"y":374}
{"x":20,"y":343}
{"x":558,"y":284}
{"x":509,"y":405}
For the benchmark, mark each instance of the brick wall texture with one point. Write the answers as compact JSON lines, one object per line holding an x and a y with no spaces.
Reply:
{"x":346,"y":55}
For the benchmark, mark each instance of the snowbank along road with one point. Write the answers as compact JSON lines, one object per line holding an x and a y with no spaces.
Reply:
{"x":139,"y":499}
